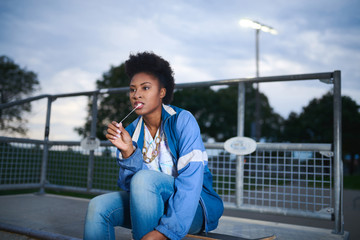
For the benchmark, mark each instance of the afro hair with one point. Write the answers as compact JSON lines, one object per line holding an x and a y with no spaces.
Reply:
{"x":150,"y":63}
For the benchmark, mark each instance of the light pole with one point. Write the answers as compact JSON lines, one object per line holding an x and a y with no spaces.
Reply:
{"x":257,"y":26}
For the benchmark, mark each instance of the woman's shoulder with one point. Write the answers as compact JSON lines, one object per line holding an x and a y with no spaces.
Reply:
{"x":183,"y":118}
{"x":179,"y":112}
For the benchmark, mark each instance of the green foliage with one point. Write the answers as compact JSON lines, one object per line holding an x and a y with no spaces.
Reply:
{"x":15,"y":83}
{"x":111,"y":107}
{"x":216,"y":114}
{"x":352,"y":182}
{"x":216,"y":111}
{"x":350,"y":125}
{"x":315,"y":125}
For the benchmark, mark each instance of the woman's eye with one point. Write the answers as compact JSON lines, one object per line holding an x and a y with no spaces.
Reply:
{"x":146,"y":88}
{"x":132,"y":90}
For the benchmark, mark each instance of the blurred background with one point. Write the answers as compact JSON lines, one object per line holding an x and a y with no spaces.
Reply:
{"x":65,"y":46}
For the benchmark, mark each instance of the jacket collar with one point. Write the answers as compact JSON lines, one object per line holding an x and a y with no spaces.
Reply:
{"x":167,"y":112}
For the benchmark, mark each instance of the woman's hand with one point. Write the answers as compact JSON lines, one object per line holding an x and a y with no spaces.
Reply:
{"x":154,"y":235}
{"x":118,"y":136}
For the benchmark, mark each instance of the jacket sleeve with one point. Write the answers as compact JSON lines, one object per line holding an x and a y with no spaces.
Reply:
{"x":182,"y":205}
{"x":128,"y":167}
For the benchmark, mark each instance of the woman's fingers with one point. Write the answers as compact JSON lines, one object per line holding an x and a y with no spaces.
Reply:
{"x":118,"y":136}
{"x":124,"y":134}
{"x":113,"y":131}
{"x":125,"y":144}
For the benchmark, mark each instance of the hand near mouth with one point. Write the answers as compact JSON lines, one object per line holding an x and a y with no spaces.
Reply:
{"x":121,"y":139}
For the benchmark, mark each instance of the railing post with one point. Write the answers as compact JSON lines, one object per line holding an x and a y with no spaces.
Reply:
{"x":240,"y":133}
{"x":338,"y":164}
{"x":92,"y":136}
{"x":46,"y":148}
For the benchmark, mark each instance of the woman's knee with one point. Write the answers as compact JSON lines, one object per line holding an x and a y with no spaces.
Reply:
{"x":146,"y":183}
{"x":142,"y":181}
{"x":103,"y":206}
{"x":96,"y":208}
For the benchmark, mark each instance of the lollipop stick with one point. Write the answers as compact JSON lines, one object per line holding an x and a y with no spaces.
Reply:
{"x":130,"y":112}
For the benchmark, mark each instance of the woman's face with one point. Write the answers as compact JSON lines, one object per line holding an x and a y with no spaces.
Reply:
{"x":145,"y":91}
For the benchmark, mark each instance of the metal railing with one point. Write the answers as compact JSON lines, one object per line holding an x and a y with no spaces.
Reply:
{"x":290,"y":179}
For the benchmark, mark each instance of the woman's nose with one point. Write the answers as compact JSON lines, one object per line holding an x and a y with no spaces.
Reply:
{"x":137,"y":94}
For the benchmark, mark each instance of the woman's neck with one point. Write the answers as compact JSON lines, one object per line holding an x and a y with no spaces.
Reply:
{"x":153,"y":123}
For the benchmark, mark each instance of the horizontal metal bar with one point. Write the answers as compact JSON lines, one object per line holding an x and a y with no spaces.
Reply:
{"x":66,"y":143}
{"x":280,"y":211}
{"x":75,"y":189}
{"x":294,"y":146}
{"x":20,"y":140}
{"x":113,"y":90}
{"x":89,"y":93}
{"x":310,"y":76}
{"x":19,"y":186}
{"x":281,"y":146}
{"x":297,"y":77}
{"x":36,"y":234}
{"x":216,"y":145}
{"x":26,"y":100}
{"x":106,"y":143}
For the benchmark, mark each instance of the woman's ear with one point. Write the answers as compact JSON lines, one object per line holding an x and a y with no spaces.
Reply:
{"x":162,"y":92}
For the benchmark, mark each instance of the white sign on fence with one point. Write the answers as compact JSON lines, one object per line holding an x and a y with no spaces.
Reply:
{"x":90,"y":143}
{"x":240,"y":145}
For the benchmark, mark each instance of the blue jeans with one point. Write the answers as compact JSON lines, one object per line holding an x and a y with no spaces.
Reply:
{"x":144,"y":205}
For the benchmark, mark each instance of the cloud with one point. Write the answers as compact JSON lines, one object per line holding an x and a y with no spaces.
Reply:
{"x":71,"y":44}
{"x":286,"y":97}
{"x":68,"y":113}
{"x":185,"y":72}
{"x":70,"y":80}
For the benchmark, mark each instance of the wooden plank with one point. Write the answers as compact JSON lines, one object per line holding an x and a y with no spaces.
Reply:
{"x":214,"y":236}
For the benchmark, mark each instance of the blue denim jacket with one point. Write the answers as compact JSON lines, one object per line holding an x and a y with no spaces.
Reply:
{"x":194,"y":180}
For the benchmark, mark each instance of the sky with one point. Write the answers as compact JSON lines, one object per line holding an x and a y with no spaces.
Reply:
{"x":69,"y":44}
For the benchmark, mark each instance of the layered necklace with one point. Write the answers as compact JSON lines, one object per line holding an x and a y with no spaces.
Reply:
{"x":155,"y":152}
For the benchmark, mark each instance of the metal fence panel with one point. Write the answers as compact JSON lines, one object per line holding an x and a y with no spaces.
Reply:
{"x":289,"y":182}
{"x":20,"y":163}
{"x":293,"y":181}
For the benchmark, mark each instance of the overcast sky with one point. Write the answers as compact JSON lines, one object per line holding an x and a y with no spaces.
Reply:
{"x":71,"y":43}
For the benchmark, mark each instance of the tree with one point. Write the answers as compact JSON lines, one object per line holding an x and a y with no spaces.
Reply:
{"x":15,"y":83}
{"x":216,"y":111}
{"x":315,"y":124}
{"x":111,"y":106}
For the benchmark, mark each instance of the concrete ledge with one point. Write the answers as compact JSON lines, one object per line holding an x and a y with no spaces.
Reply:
{"x":34,"y":233}
{"x":57,"y":217}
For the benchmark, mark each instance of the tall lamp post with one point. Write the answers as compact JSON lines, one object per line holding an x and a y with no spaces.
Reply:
{"x":258,"y":27}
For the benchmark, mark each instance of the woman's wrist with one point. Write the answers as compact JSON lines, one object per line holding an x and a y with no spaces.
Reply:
{"x":126,"y":153}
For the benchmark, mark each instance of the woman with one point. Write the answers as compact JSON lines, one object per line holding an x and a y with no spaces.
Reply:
{"x":163,"y":165}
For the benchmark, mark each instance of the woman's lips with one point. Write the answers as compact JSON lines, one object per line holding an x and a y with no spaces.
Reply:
{"x":139,"y":105}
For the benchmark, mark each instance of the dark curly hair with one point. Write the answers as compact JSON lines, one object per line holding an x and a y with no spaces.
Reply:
{"x":150,"y":63}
